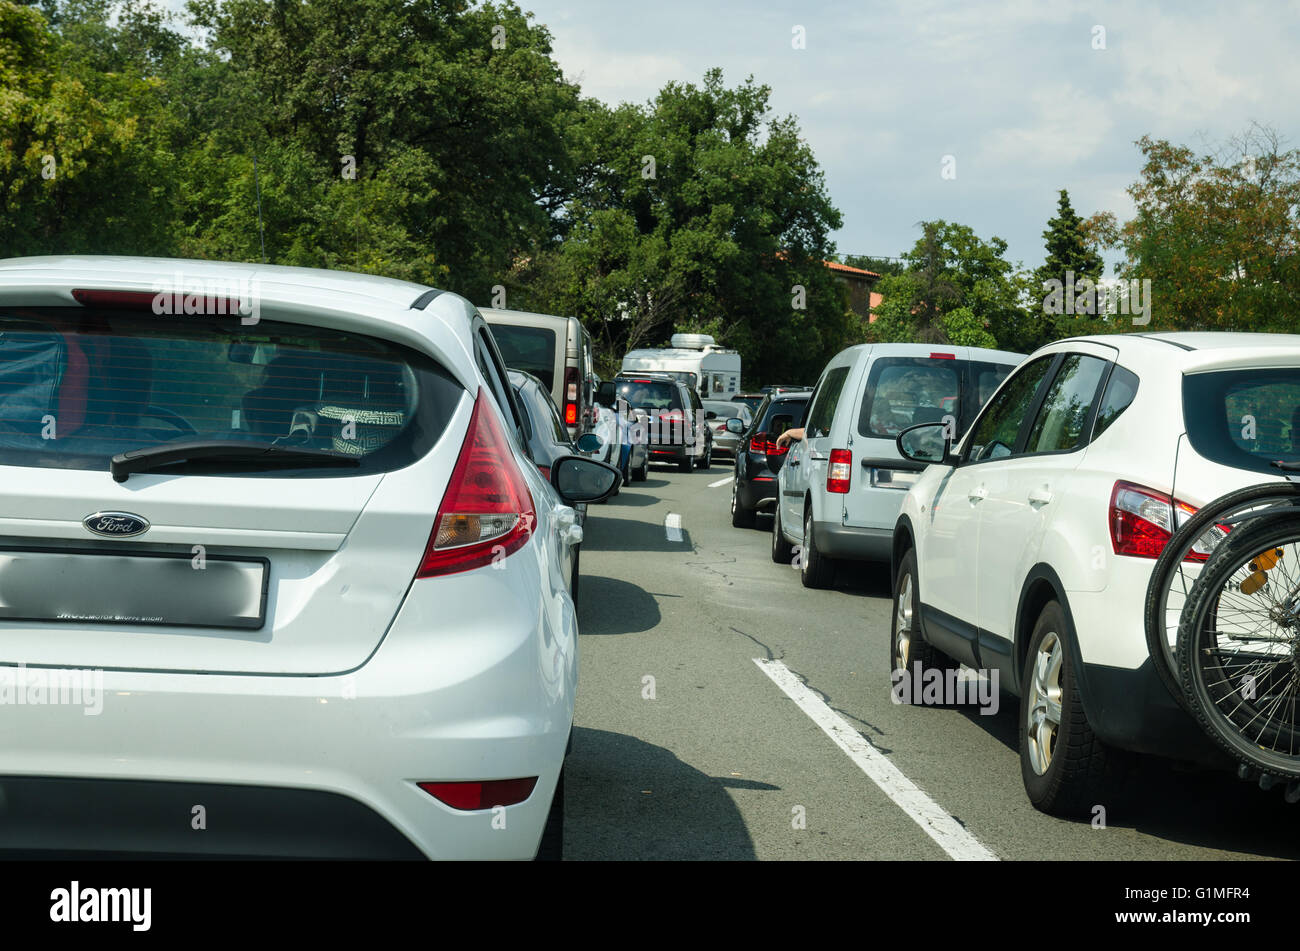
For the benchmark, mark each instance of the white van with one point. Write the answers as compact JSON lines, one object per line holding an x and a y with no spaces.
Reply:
{"x":841,"y":487}
{"x":695,"y":359}
{"x":556,"y":350}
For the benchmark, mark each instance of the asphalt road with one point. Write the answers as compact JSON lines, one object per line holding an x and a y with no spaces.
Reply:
{"x":685,"y":747}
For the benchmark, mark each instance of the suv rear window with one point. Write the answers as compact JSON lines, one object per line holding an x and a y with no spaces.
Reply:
{"x":650,"y":394}
{"x":79,"y":385}
{"x":780,"y":415}
{"x":531,"y":349}
{"x":1244,"y":418}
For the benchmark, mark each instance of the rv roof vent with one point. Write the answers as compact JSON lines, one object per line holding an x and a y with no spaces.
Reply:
{"x":692,"y":341}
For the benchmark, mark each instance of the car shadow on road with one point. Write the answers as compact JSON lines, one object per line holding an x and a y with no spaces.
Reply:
{"x":629,"y":497}
{"x":625,"y":534}
{"x":612,"y":606}
{"x":1201,"y":807}
{"x":626,"y":799}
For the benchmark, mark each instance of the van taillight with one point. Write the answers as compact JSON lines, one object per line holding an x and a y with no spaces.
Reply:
{"x":571,"y":396}
{"x":840,"y":473}
{"x":487,"y":511}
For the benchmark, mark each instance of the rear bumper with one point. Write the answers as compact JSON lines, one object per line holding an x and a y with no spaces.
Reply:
{"x":756,"y":494}
{"x":472,"y":682}
{"x":858,"y":544}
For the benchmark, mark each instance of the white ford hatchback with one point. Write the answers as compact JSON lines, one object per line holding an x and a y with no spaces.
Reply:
{"x":1026,"y":550}
{"x":276,"y":574}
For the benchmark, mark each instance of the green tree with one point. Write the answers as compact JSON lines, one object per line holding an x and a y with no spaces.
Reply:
{"x":1071,"y":257}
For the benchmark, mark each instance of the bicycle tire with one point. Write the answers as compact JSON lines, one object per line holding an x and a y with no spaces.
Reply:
{"x":1242,"y":684}
{"x":1156,"y":610}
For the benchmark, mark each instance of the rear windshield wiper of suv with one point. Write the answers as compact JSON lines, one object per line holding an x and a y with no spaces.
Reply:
{"x":203,"y":454}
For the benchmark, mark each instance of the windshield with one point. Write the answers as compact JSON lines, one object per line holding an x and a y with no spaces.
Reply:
{"x":79,"y":385}
{"x":650,"y":394}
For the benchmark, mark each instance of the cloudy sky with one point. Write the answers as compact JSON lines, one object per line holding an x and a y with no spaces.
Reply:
{"x":1013,"y":90}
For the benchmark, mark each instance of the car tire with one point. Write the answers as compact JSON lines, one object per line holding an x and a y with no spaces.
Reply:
{"x":642,"y":472}
{"x":707,"y":460}
{"x":782,"y":550}
{"x":815,"y":569}
{"x":688,"y":462}
{"x":741,"y":517}
{"x":551,"y":848}
{"x":910,"y":655}
{"x":1066,"y":769}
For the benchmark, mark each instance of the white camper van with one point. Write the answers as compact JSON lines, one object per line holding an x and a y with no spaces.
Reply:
{"x":696,"y":360}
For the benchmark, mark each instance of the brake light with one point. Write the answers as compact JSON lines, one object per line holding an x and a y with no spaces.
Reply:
{"x":487,"y":510}
{"x":943,"y":356}
{"x":571,"y":396}
{"x":840,"y":472}
{"x":761,"y":444}
{"x":481,"y":794}
{"x":1143,"y":520}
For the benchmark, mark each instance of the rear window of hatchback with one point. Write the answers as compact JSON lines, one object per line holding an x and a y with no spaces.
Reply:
{"x":80,"y":385}
{"x":1246,"y":418}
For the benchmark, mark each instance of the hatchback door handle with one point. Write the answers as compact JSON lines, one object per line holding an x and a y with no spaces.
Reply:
{"x":1040,"y":496}
{"x":978,"y":494}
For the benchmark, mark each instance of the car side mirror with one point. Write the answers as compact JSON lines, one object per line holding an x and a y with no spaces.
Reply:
{"x":590,"y":443}
{"x":734,"y":424}
{"x":583,"y":480}
{"x":930,"y":443}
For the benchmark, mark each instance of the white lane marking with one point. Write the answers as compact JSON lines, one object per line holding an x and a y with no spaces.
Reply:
{"x":924,"y":811}
{"x":714,"y":485}
{"x":673,"y":526}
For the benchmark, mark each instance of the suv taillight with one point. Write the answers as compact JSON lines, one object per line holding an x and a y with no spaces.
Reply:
{"x":1143,"y":520}
{"x":571,"y":396}
{"x":840,"y":472}
{"x":487,"y":510}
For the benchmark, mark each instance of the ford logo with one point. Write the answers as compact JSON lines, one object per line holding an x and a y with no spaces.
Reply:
{"x":116,"y":524}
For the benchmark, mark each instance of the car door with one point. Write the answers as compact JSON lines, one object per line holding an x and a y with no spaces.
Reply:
{"x":1021,"y":490}
{"x":808,"y":457}
{"x":949,"y":580}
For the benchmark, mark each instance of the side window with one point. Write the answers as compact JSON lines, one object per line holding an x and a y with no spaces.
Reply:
{"x":1059,"y":426}
{"x":489,"y":365}
{"x":1120,"y":390}
{"x":999,"y":425}
{"x":822,"y":411}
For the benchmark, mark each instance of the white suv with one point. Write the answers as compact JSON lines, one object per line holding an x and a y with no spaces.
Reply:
{"x":277,"y":529}
{"x":839,"y":489}
{"x":1025,"y":550}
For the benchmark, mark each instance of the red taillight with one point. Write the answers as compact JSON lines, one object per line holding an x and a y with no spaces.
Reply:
{"x":571,"y":396}
{"x":487,"y":511}
{"x":481,"y":795}
{"x":761,"y":444}
{"x":840,"y":473}
{"x":176,"y":301}
{"x":943,"y":356}
{"x":1143,"y":520}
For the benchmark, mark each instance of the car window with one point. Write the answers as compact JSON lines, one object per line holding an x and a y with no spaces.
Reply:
{"x":780,"y":415}
{"x":1244,"y":418}
{"x":822,"y":412}
{"x":492,"y":370}
{"x":999,"y":425}
{"x":80,"y":385}
{"x":904,"y":391}
{"x":650,"y":394}
{"x":726,"y":410}
{"x":531,"y":349}
{"x":1059,"y":426}
{"x":983,"y":379}
{"x":1120,"y":390}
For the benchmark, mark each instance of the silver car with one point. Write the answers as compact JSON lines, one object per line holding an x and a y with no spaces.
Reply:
{"x":716,"y":413}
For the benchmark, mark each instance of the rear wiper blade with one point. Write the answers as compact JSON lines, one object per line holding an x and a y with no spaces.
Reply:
{"x":250,"y":453}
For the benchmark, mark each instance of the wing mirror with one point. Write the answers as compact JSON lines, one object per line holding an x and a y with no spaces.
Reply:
{"x":930,"y":443}
{"x":583,"y":480}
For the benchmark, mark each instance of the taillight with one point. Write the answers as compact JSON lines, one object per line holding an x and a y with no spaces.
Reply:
{"x":840,"y":472}
{"x":571,"y":396}
{"x":487,"y":511}
{"x":1143,"y":520}
{"x":481,"y":794}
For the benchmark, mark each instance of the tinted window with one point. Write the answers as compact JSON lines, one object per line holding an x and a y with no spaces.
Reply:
{"x":531,"y":349}
{"x":650,"y":394}
{"x":904,"y":391}
{"x":1244,"y":418}
{"x":1059,"y":426}
{"x":999,"y":425}
{"x":78,"y":386}
{"x":982,"y":380}
{"x":780,"y":415}
{"x":822,"y":411}
{"x":1120,"y":391}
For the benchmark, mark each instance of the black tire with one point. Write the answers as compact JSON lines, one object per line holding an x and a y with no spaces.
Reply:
{"x":642,"y":472}
{"x":782,"y":550}
{"x":688,"y":462}
{"x":815,"y":569}
{"x":741,"y":517}
{"x":1081,"y":770}
{"x":910,"y":655}
{"x":1213,"y":674}
{"x":551,"y":848}
{"x":707,"y":459}
{"x":575,"y":575}
{"x":1164,"y":582}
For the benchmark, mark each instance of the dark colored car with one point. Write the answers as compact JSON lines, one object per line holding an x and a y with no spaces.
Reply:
{"x":754,"y":488}
{"x":674,"y":418}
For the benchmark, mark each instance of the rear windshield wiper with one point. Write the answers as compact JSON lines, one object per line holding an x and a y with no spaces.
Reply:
{"x":241,"y":454}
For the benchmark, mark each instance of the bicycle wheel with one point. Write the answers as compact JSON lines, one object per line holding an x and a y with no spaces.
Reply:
{"x":1182,"y":560}
{"x":1239,"y":646}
